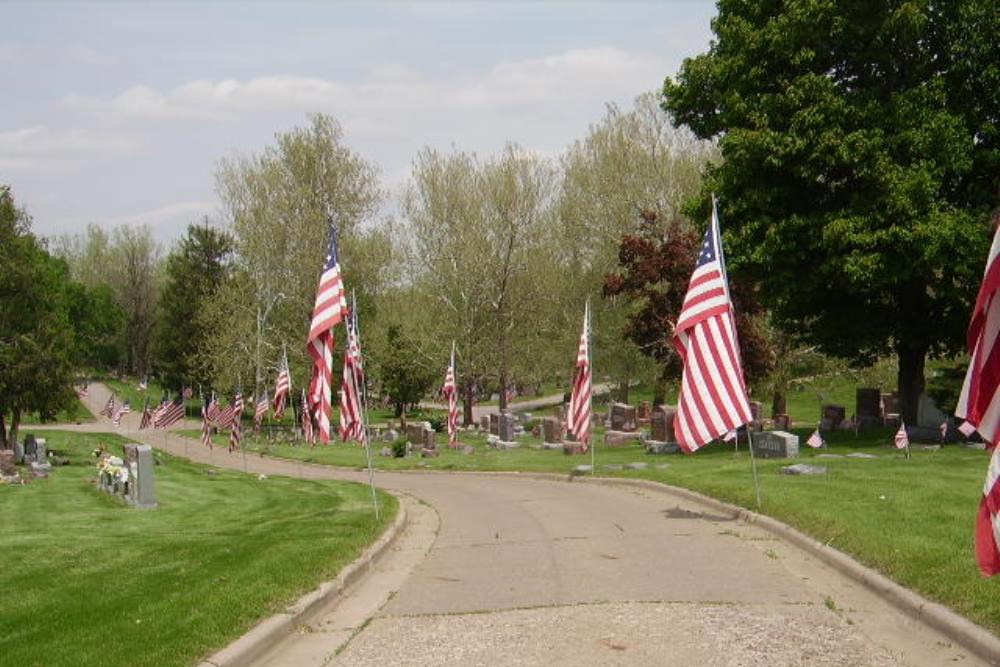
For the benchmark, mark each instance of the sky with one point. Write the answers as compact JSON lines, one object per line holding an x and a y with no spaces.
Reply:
{"x":118,"y":113}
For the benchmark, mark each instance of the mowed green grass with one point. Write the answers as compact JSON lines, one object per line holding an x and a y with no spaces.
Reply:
{"x":909,"y":519}
{"x":88,"y":581}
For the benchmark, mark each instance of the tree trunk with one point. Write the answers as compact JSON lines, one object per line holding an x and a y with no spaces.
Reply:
{"x":15,"y":424}
{"x":467,"y":402}
{"x":910,"y":381}
{"x":623,"y":390}
{"x":3,"y":432}
{"x":779,"y":404}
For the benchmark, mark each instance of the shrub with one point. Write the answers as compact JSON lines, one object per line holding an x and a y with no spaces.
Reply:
{"x":399,"y":447}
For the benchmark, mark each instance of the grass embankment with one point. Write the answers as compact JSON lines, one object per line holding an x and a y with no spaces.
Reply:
{"x":909,"y":519}
{"x":88,"y":581}
{"x":78,"y":413}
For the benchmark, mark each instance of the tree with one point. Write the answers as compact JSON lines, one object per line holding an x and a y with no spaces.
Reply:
{"x":194,"y":270}
{"x":280,"y":205}
{"x":861,"y":157}
{"x":96,"y":321}
{"x":655,"y":270}
{"x":482,"y":260}
{"x":36,"y":373}
{"x":405,"y":379}
{"x":134,"y":276}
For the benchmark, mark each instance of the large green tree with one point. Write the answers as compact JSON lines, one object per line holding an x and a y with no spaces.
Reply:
{"x":861,"y":159}
{"x":36,"y":345}
{"x":195,"y":268}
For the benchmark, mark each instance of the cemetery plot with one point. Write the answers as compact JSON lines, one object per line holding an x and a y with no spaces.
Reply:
{"x":96,"y":582}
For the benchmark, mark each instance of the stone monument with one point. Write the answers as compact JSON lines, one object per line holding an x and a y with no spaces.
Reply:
{"x":775,"y":445}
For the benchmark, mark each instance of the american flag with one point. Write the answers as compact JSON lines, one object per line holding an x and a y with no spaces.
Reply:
{"x":161,"y":408}
{"x":236,"y":418}
{"x":282,"y":388}
{"x":944,"y":431}
{"x":173,"y":413}
{"x":901,"y":439}
{"x":351,"y":426}
{"x":123,"y":409}
{"x":212,"y":410}
{"x":224,"y":417}
{"x":235,"y":435}
{"x":307,"y":423}
{"x":450,"y":391}
{"x":147,"y":416}
{"x":966,"y":429}
{"x":713,"y":398}
{"x":109,"y":408}
{"x":815,"y":440}
{"x":578,"y":417}
{"x":206,"y":424}
{"x":329,"y":309}
{"x":260,"y":410}
{"x":979,"y":405}
{"x":81,"y":392}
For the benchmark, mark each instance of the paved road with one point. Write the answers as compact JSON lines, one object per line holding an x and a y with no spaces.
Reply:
{"x":521,"y":571}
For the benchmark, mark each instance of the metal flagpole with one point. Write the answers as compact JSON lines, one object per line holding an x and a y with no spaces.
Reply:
{"x":590,"y":369}
{"x":364,"y":407}
{"x":753,"y":467}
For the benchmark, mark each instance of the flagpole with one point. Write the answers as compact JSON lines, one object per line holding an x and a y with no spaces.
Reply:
{"x":590,"y":366}
{"x":753,"y":466}
{"x":364,"y":407}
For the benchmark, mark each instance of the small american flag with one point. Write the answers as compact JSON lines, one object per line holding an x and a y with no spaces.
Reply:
{"x":902,"y":440}
{"x":578,"y":417}
{"x":260,"y":410}
{"x":450,"y":391}
{"x":212,"y":411}
{"x":81,"y":392}
{"x":147,"y":416}
{"x":171,"y":414}
{"x":713,"y":398}
{"x":308,"y":434}
{"x":966,"y":429}
{"x":123,"y":409}
{"x":282,"y":388}
{"x":351,"y":426}
{"x":206,"y":423}
{"x":109,"y":408}
{"x":944,"y":431}
{"x":328,"y":310}
{"x":815,"y":440}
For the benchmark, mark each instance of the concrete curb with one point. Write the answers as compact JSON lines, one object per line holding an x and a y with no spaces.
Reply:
{"x":974,"y":638}
{"x":255,"y":643}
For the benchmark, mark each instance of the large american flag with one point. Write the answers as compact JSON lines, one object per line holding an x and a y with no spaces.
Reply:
{"x":578,"y":417}
{"x":282,"y":388}
{"x":713,"y":398}
{"x":235,"y":434}
{"x":329,"y":309}
{"x":173,"y":413}
{"x":450,"y":391}
{"x":351,"y":426}
{"x":979,"y":405}
{"x":212,"y":411}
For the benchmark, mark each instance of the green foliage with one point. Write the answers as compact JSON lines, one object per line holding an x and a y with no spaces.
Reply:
{"x":36,"y":345}
{"x":861,"y":151}
{"x":219,"y":554}
{"x":194,"y":270}
{"x":96,"y":320}
{"x":404,"y":379}
{"x":399,"y":447}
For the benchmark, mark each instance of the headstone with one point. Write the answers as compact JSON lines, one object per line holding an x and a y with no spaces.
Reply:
{"x":662,"y":423}
{"x":829,"y":456}
{"x":415,"y":433}
{"x":41,"y":451}
{"x":890,"y":404}
{"x":582,"y":469}
{"x":30,"y":447}
{"x":505,"y":427}
{"x":140,"y":489}
{"x":484,"y":422}
{"x":623,"y":417}
{"x":928,"y":414}
{"x":775,"y":445}
{"x":468,"y":449}
{"x":386,"y":451}
{"x":861,"y":455}
{"x":494,"y":423}
{"x":619,"y":438}
{"x":803,"y":469}
{"x":430,"y":442}
{"x":834,"y":414}
{"x":390,"y":435}
{"x":524,"y":417}
{"x":551,"y":430}
{"x":653,"y":447}
{"x":644,"y":410}
{"x":638,"y":465}
{"x":18,"y":452}
{"x":7,"y":468}
{"x":868,"y":402}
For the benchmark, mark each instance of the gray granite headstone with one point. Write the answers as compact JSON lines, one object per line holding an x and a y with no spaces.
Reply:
{"x":803,"y":469}
{"x":661,"y":423}
{"x":415,"y":433}
{"x":18,"y":452}
{"x":494,"y":424}
{"x":623,"y":417}
{"x":505,"y":427}
{"x":30,"y":447}
{"x":551,"y":430}
{"x":775,"y":444}
{"x":141,"y":491}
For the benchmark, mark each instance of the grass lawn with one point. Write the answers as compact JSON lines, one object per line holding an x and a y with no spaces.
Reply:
{"x":77,"y":414}
{"x":911,"y":520}
{"x":88,"y":581}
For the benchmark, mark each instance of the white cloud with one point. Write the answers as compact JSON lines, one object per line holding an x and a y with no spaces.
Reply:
{"x":37,"y":146}
{"x":392,"y":89}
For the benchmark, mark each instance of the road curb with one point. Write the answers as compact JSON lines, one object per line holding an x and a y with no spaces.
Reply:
{"x":974,"y":638}
{"x":255,"y":643}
